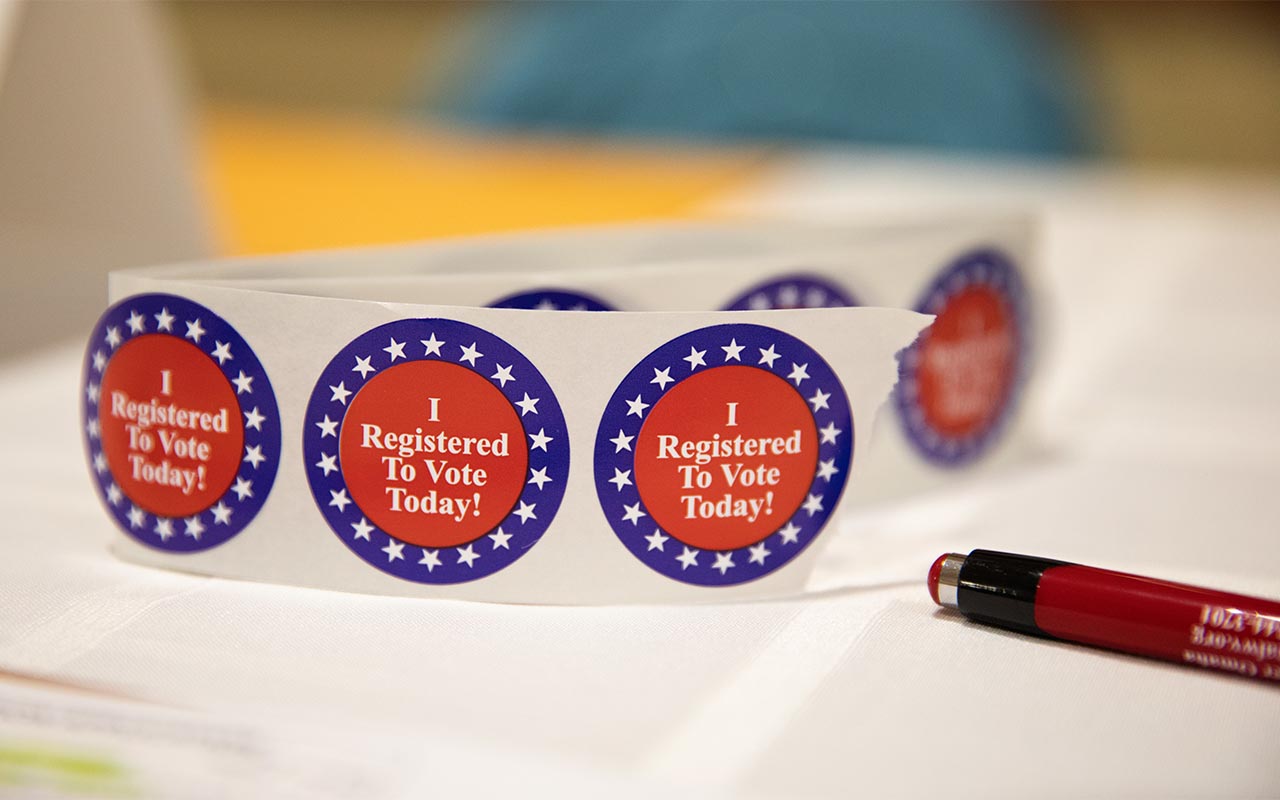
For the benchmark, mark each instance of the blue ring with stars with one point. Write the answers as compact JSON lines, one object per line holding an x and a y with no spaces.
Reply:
{"x":793,"y":291}
{"x":748,"y":345}
{"x":170,"y":315}
{"x":992,"y":269}
{"x":506,"y":368}
{"x":552,"y":300}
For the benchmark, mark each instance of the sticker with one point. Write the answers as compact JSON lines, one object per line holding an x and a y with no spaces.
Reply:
{"x":180,"y":421}
{"x":553,"y":300}
{"x":723,"y":453}
{"x":794,"y":291}
{"x":961,"y":378}
{"x":435,"y":450}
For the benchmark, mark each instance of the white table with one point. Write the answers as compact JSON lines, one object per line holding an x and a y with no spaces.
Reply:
{"x":1163,"y":457}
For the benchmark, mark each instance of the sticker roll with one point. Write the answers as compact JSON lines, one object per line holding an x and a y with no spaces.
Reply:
{"x":363,"y":421}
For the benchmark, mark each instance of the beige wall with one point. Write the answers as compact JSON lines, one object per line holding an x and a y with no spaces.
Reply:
{"x":95,"y":165}
{"x":1183,"y":83}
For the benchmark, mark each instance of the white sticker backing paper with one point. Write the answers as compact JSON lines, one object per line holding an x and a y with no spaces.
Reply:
{"x":555,"y":418}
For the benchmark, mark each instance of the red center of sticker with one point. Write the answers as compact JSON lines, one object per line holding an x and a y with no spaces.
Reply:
{"x":726,"y":457}
{"x":433,"y":453}
{"x":171,"y":426}
{"x":967,"y":362}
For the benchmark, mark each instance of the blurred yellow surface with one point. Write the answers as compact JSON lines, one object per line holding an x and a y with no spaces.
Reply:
{"x":290,"y":181}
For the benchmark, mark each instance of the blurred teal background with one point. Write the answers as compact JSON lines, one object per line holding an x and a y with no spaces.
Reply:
{"x":1182,"y":83}
{"x":943,"y":76}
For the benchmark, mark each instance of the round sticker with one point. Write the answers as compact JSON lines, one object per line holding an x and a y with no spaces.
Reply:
{"x":723,"y":453}
{"x":552,"y":300}
{"x":435,"y":450}
{"x":961,"y":377}
{"x":181,"y":424}
{"x":793,"y":291}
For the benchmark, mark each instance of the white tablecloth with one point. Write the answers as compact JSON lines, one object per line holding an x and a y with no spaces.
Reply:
{"x":1163,"y":457}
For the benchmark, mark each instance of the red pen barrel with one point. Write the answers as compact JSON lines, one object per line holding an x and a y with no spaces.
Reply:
{"x":1115,"y":610}
{"x":1161,"y":619}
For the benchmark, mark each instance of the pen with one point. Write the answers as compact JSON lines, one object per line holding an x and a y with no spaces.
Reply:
{"x":1115,"y":610}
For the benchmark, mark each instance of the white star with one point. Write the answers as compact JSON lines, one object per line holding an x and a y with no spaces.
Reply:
{"x":732,"y":350}
{"x":656,"y":540}
{"x":759,"y":553}
{"x":695,"y":358}
{"x":790,"y":533}
{"x":430,"y":559}
{"x":194,"y":527}
{"x":394,"y":551}
{"x":689,"y":558}
{"x":539,"y":440}
{"x":244,"y":383}
{"x":813,"y":504}
{"x":113,"y":337}
{"x":114,"y":495}
{"x":502,"y":375}
{"x":529,"y":405}
{"x":254,"y":455}
{"x":100,"y":463}
{"x":724,"y":562}
{"x":194,"y":331}
{"x":788,"y":296}
{"x":395,"y":349}
{"x":363,"y":366}
{"x":545,"y":304}
{"x":815,"y":298}
{"x":819,"y":401}
{"x":662,"y":377}
{"x":826,"y":469}
{"x":433,"y":346}
{"x":362,"y":529}
{"x":633,"y":513}
{"x":768,"y":356}
{"x":252,"y":419}
{"x":137,"y":322}
{"x":164,"y":320}
{"x":91,"y":391}
{"x":99,"y":360}
{"x":799,"y":373}
{"x":620,"y":478}
{"x":621,"y":442}
{"x":92,"y":428}
{"x":470,"y":354}
{"x":339,"y":499}
{"x":137,"y":517}
{"x":340,"y":393}
{"x":164,"y":528}
{"x":525,"y":512}
{"x":327,"y":463}
{"x":829,"y":433}
{"x":500,"y":539}
{"x":243,"y":489}
{"x":538,"y":476}
{"x":636,"y":406}
{"x":467,"y":555}
{"x":221,"y":514}
{"x":329,"y":427}
{"x":759,"y":302}
{"x":221,"y":351}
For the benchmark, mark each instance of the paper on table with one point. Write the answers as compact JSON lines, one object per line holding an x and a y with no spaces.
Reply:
{"x":60,"y":742}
